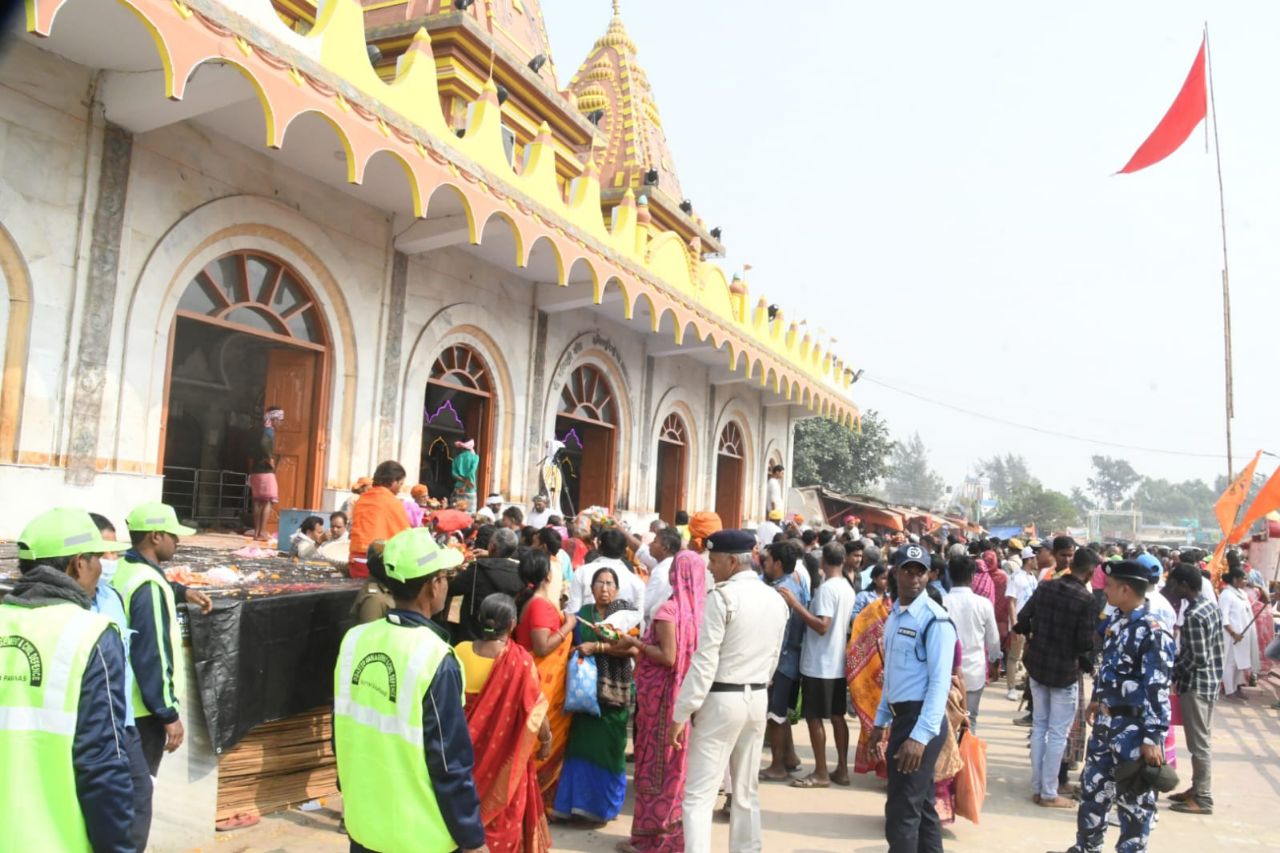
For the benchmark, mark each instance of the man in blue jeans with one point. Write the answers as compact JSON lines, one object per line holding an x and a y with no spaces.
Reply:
{"x":1059,"y":622}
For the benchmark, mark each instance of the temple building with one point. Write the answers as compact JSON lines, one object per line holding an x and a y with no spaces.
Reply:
{"x":400,"y":221}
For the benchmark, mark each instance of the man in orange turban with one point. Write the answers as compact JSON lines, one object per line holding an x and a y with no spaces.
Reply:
{"x":702,"y":525}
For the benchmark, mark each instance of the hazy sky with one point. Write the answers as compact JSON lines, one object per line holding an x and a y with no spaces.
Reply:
{"x":931,"y":182}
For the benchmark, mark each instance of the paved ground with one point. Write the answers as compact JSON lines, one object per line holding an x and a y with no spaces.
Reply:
{"x":1246,"y":775}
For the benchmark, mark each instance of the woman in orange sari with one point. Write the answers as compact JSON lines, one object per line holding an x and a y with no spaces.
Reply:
{"x":865,"y":671}
{"x":506,"y":715}
{"x":548,"y":634}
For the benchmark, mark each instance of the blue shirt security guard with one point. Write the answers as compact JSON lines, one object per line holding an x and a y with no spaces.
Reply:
{"x":919,"y":650}
{"x":1129,"y":712}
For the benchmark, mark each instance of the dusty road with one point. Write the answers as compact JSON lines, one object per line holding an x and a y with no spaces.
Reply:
{"x":839,"y":820}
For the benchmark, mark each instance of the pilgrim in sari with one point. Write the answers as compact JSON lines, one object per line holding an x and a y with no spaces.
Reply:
{"x":593,"y":783}
{"x":865,"y":671}
{"x":547,"y":633}
{"x":1264,"y":626}
{"x":665,"y":654}
{"x":506,"y":715}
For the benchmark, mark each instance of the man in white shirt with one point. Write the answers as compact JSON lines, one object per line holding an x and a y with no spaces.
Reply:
{"x":773,"y":491}
{"x":663,"y":548}
{"x":612,"y":546}
{"x":539,"y":514}
{"x":975,"y":620}
{"x":769,"y":528}
{"x":1022,"y":584}
{"x":823,"y":689}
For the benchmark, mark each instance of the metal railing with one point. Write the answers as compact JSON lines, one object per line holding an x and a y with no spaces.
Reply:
{"x":207,"y":496}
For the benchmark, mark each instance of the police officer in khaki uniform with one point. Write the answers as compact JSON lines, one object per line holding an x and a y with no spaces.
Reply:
{"x":725,"y":692}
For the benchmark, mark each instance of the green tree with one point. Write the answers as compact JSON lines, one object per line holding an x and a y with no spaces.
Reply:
{"x":1082,"y":502}
{"x":1007,"y":473}
{"x":838,"y":458}
{"x":1032,"y":503}
{"x":910,"y":480}
{"x":1112,"y":480}
{"x":1165,"y":502}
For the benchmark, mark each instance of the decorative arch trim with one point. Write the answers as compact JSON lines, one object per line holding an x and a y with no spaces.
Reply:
{"x":17,"y":341}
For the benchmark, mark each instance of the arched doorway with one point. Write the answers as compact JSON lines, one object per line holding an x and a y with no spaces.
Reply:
{"x":729,"y":472}
{"x":586,"y":421}
{"x":248,"y":333}
{"x":673,"y":445}
{"x":459,"y":406}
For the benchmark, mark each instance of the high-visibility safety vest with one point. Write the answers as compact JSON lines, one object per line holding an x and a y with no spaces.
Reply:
{"x":131,"y":578}
{"x":383,"y":673}
{"x":44,"y":652}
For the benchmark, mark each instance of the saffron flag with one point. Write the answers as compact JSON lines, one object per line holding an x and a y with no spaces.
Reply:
{"x":1187,"y":111}
{"x":1228,"y":506}
{"x":1267,"y":500}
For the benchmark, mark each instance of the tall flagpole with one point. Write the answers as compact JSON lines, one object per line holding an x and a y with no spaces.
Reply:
{"x":1226,"y":286}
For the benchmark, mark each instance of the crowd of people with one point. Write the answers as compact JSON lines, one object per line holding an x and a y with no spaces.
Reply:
{"x":502,"y":674}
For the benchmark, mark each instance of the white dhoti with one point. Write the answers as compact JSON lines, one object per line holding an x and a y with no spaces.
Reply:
{"x":727,"y":731}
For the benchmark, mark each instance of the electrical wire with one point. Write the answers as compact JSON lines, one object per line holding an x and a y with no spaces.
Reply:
{"x":1042,"y":430}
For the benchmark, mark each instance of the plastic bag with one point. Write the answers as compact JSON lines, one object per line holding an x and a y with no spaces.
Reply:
{"x":1175,"y":709}
{"x":581,"y":695}
{"x":971,"y":782}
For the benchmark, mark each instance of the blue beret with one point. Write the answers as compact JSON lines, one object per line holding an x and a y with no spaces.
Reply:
{"x":912,"y":554}
{"x":1126,"y":570}
{"x":731,"y":542}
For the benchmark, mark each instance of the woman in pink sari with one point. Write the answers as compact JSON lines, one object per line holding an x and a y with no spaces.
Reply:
{"x":1264,"y":625}
{"x":665,"y":654}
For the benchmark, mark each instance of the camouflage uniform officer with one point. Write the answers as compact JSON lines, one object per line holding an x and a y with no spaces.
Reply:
{"x":1129,"y":713}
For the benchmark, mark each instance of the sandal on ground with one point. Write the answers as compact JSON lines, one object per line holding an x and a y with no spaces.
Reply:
{"x":842,"y":781}
{"x":236,"y":821}
{"x":810,"y":782}
{"x":774,"y":776}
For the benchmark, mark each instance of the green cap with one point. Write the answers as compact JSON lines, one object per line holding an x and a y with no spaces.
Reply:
{"x":413,"y":553}
{"x":62,"y":533}
{"x":157,"y":517}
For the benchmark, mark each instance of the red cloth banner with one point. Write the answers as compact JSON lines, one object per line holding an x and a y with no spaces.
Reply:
{"x":1187,"y":111}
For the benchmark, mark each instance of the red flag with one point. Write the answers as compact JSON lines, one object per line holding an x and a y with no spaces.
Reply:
{"x":1187,"y":111}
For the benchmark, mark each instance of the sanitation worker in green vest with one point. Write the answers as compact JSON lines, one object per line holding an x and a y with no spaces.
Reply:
{"x":404,"y":753}
{"x":64,"y":768}
{"x":155,"y":651}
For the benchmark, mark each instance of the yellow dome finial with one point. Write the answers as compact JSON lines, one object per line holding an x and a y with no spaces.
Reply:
{"x":617,"y":7}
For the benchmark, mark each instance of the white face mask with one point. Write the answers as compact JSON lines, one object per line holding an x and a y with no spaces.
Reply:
{"x":108,"y":568}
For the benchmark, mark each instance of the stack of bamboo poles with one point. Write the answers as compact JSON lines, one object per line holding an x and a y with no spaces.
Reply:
{"x":277,"y":765}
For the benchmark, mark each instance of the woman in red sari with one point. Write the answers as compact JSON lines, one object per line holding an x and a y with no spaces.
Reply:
{"x":507,"y":717}
{"x":548,"y":634}
{"x":665,"y":654}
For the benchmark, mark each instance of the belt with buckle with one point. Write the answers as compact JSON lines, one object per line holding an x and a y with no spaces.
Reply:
{"x":897,"y":709}
{"x":1122,"y":711}
{"x":725,"y":687}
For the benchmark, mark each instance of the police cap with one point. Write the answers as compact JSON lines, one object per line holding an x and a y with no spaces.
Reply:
{"x":1130,"y":570}
{"x":912,"y":554}
{"x":731,"y":542}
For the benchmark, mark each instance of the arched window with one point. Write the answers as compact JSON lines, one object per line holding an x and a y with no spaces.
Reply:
{"x":258,"y":293}
{"x":459,"y":406}
{"x":586,"y":421}
{"x":587,"y":396}
{"x":670,"y":478}
{"x":730,"y":469}
{"x":248,"y":332}
{"x":731,"y":440}
{"x":460,"y":365}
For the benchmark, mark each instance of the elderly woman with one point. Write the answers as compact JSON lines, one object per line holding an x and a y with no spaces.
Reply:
{"x":593,"y":783}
